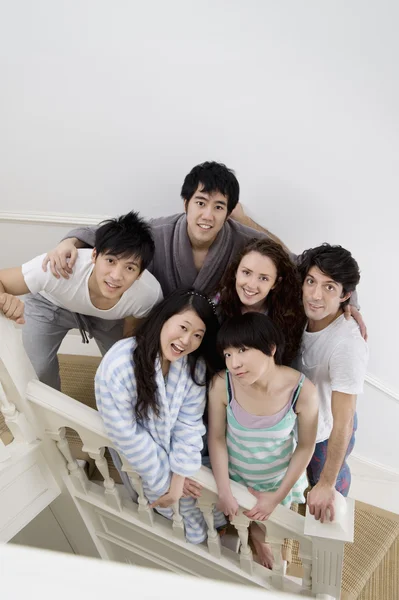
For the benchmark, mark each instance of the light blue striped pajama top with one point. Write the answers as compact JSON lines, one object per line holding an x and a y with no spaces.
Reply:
{"x":160,"y":446}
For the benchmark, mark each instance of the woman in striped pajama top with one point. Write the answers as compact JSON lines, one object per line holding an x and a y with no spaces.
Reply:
{"x":254,"y":408}
{"x":150,"y":392}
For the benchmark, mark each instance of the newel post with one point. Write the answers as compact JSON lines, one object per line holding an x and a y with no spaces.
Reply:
{"x":328,"y":541}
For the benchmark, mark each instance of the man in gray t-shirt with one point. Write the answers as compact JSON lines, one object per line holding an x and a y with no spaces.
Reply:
{"x":334,"y":357}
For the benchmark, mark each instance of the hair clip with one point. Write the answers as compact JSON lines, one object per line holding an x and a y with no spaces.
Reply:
{"x":204,"y":297}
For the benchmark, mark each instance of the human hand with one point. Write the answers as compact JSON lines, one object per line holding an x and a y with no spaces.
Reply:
{"x":191,"y":489}
{"x":61,"y":259}
{"x":228,"y":505}
{"x":320,"y":498}
{"x":266,"y":503}
{"x":12,"y":307}
{"x":352,"y":311}
{"x":238,"y":213}
{"x":167,"y":500}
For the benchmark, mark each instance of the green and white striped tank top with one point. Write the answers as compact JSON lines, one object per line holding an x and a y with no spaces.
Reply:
{"x":259,"y":458}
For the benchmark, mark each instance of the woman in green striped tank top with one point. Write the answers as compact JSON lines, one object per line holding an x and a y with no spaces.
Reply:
{"x":255,"y":406}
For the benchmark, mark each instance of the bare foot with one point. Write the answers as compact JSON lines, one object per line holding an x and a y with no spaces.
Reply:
{"x":262,"y":549}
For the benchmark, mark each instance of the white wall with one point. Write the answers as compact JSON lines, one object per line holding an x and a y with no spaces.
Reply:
{"x":105,"y":106}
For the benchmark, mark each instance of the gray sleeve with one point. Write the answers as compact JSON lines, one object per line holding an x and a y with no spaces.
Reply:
{"x":87,"y":235}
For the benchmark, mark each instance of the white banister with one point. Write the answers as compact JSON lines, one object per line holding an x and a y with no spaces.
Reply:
{"x":15,"y":421}
{"x":206,"y":504}
{"x":112,"y":495}
{"x":75,"y":470}
{"x":329,"y":540}
{"x":242,"y":523}
{"x":145,"y":512}
{"x":177,"y":523}
{"x":321,"y":546}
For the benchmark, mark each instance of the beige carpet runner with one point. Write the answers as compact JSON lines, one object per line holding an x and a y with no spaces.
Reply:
{"x":371,"y":565}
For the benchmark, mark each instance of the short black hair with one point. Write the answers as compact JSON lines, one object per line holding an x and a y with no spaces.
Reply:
{"x":215,"y":177}
{"x":252,"y":330}
{"x":334,"y":261}
{"x":128,"y":235}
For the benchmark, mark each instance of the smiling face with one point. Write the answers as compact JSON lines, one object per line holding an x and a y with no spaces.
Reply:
{"x":247,"y":365}
{"x":181,"y":334}
{"x":256,"y":276}
{"x":322,"y":299}
{"x":206,"y":215}
{"x":113,"y":275}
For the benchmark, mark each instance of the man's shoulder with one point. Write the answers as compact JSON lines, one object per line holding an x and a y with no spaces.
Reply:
{"x":84,"y":257}
{"x":164,"y":223}
{"x":347,"y":332}
{"x":146,"y":283}
{"x":346,"y":345}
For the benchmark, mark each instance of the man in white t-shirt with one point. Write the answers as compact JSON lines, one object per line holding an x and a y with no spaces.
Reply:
{"x":334,"y":357}
{"x":109,"y":285}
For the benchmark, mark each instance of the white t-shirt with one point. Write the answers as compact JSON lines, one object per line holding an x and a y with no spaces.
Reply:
{"x":73,"y":293}
{"x":335,"y":360}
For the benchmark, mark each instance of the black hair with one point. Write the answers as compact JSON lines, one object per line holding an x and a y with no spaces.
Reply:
{"x":334,"y":261}
{"x":252,"y":330}
{"x":148,"y":345}
{"x":214,"y":177}
{"x":128,"y":235}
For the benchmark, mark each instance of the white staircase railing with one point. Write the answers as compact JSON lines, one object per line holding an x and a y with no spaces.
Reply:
{"x":321,"y":546}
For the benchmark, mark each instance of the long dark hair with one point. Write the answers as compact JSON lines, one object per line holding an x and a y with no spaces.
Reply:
{"x":148,"y":345}
{"x":252,"y":330}
{"x":283,"y":303}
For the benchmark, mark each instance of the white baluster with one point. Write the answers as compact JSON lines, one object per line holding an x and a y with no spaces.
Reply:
{"x":279,"y":565}
{"x":241,"y":523}
{"x":145,"y":512}
{"x":76,"y":472}
{"x":307,"y":572}
{"x":206,"y":507}
{"x":15,"y":421}
{"x":178,"y":523}
{"x":112,"y":496}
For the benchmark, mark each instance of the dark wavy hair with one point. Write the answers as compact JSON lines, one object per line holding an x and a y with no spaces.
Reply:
{"x":214,"y":177}
{"x":252,"y":330}
{"x":283,"y":303}
{"x":333,"y":261}
{"x":148,"y":345}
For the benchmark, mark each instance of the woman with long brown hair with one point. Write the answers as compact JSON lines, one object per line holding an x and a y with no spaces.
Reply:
{"x":263,"y":279}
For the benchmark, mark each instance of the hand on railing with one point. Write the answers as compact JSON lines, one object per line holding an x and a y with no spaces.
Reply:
{"x":228,"y":505}
{"x":265,"y":505}
{"x":191,"y":489}
{"x":321,"y":502}
{"x":173,"y":495}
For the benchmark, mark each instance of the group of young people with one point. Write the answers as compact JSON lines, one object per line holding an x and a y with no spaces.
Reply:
{"x":221,"y":348}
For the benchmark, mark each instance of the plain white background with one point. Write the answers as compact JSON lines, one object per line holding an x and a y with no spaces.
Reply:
{"x":105,"y":106}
